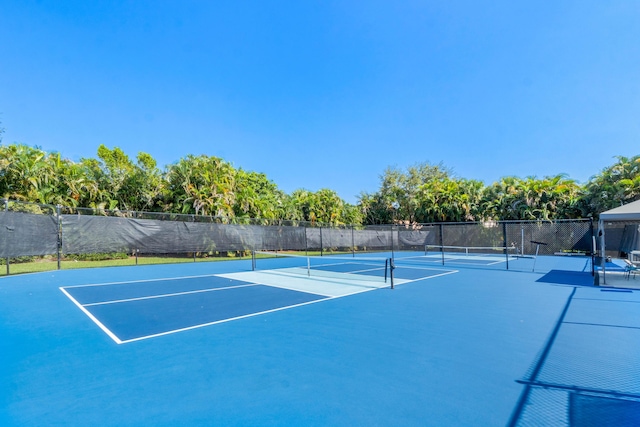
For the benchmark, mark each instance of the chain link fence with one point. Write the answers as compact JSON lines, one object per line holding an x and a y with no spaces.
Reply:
{"x":36,"y":230}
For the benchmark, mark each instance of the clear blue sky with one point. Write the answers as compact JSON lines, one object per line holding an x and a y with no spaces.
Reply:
{"x":328,"y":94}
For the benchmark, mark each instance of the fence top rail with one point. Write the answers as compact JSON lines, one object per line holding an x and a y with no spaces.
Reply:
{"x":69,"y":210}
{"x":503,"y":221}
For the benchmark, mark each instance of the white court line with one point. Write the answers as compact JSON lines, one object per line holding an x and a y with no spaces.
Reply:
{"x":254,"y":277}
{"x":404,"y":281}
{"x":119,"y":341}
{"x":244,"y":316}
{"x":329,"y":286}
{"x":92,"y":317}
{"x":141,"y":281}
{"x":437,"y":275}
{"x":327,"y":297}
{"x":168,"y":295}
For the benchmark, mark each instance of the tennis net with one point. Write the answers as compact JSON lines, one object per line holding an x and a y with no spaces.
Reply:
{"x":338,"y":267}
{"x":471,"y":251}
{"x":475,"y":255}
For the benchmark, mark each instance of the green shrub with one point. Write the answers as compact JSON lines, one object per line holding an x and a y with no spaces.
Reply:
{"x":96,"y":257}
{"x":18,"y":260}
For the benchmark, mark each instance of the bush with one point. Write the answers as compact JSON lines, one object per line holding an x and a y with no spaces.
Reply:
{"x":96,"y":257}
{"x":18,"y":260}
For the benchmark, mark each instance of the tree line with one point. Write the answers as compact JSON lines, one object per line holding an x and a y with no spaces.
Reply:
{"x":208,"y":185}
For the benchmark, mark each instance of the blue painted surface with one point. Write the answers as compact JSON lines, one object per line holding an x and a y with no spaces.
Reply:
{"x":442,"y":351}
{"x":95,"y":293}
{"x":143,"y":317}
{"x":563,"y":277}
{"x":416,"y":273}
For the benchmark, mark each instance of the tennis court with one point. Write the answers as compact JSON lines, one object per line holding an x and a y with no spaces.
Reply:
{"x":284,"y":340}
{"x":139,"y":309}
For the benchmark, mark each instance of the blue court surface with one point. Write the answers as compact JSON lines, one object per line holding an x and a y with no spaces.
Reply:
{"x":219,"y":344}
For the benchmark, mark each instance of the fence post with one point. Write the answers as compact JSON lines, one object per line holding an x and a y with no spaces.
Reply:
{"x":392,"y":253}
{"x":442,"y":242}
{"x":504,"y":234}
{"x":593,"y":249}
{"x":321,"y":244}
{"x":59,"y":234}
{"x":6,"y":209}
{"x":353,"y":242}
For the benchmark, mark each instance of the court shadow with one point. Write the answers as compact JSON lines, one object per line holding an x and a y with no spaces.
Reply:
{"x":565,"y":277}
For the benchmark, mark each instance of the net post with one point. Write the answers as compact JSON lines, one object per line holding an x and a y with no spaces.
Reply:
{"x":506,"y":251}
{"x":308,"y":267}
{"x":391,"y":268}
{"x":136,"y":251}
{"x":253,"y":260}
{"x":386,"y":269}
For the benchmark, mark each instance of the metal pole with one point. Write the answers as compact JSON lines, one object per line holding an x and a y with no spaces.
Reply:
{"x":593,"y":249}
{"x":321,"y":245}
{"x":59,"y":235}
{"x":442,"y":242}
{"x":504,"y":233}
{"x":353,"y":242}
{"x":6,"y":209}
{"x":603,"y":265}
{"x":392,"y":254}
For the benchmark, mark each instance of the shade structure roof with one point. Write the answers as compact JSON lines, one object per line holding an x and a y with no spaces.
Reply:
{"x":628,"y":212}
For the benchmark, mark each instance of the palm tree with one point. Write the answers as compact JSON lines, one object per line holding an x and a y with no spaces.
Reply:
{"x":613,"y":186}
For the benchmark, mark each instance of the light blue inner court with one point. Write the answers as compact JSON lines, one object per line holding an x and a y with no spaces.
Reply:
{"x":447,"y":346}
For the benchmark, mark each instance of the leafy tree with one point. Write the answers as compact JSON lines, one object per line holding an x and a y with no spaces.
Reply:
{"x":202,"y":185}
{"x":28,"y":173}
{"x":398,"y":198}
{"x":613,"y":186}
{"x":208,"y":185}
{"x":532,"y":198}
{"x":374,"y":210}
{"x":119,"y":182}
{"x":258,"y":197}
{"x":449,"y":199}
{"x":325,"y":207}
{"x":81,"y":188}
